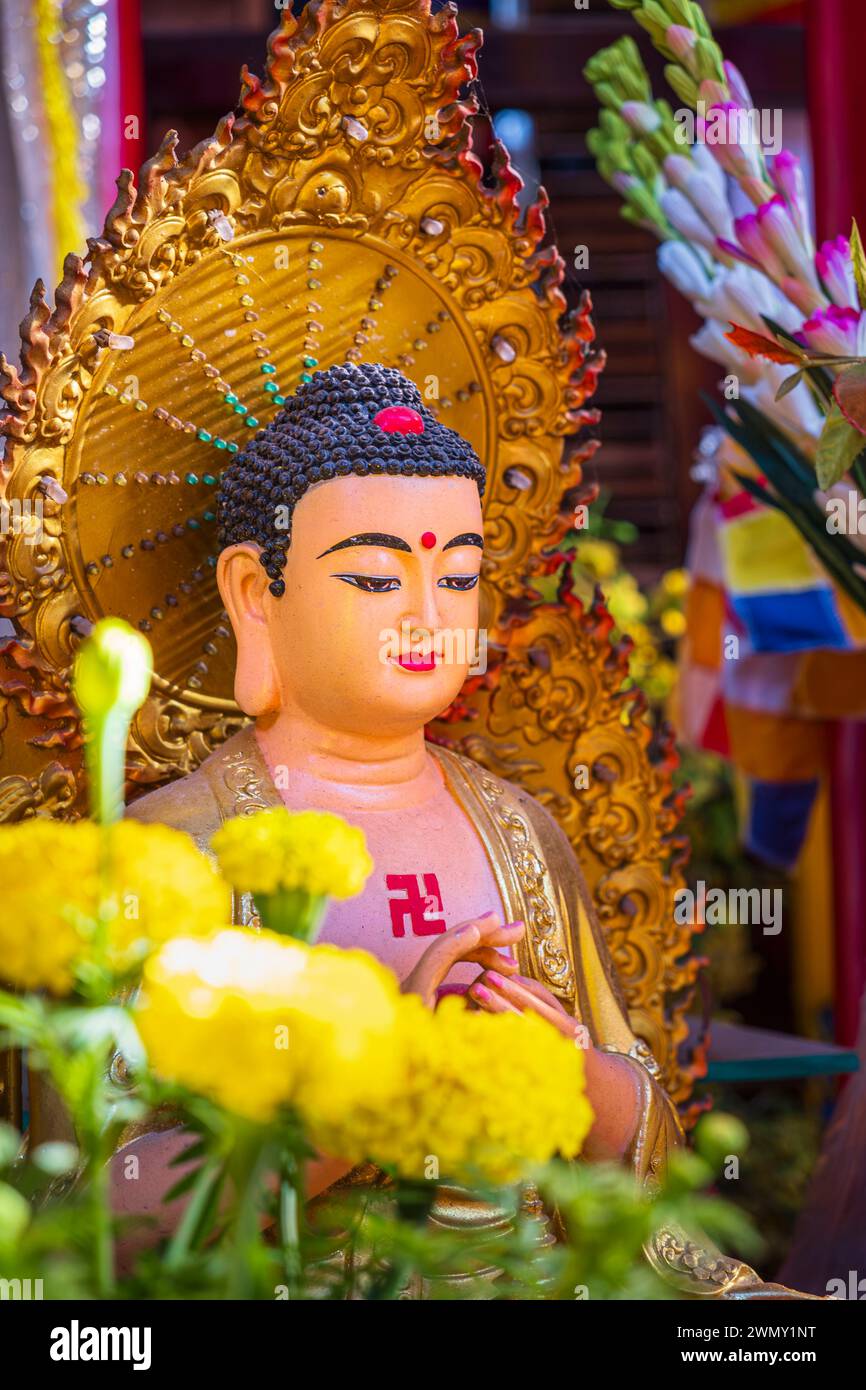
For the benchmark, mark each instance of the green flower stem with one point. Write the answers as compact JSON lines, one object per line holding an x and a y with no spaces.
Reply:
{"x":100,"y":1206}
{"x":210,"y":1177}
{"x":247,"y":1167}
{"x":105,"y":756}
{"x":292,"y":912}
{"x":291,"y":1198}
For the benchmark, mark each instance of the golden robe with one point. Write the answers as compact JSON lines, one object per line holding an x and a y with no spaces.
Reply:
{"x":540,"y":883}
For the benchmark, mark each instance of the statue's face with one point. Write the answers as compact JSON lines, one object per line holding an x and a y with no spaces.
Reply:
{"x":378,"y":624}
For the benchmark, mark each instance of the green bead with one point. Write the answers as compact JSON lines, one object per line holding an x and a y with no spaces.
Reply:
{"x":305,"y":376}
{"x":311,"y":361}
{"x":208,"y":479}
{"x":220,"y":443}
{"x":271,"y":386}
{"x":279,"y":400}
{"x":233,"y":448}
{"x":230,"y":398}
{"x":240,"y":409}
{"x":192,"y":524}
{"x":268,"y":368}
{"x":251,"y":422}
{"x":192,"y":479}
{"x":204,"y":436}
{"x":210,"y":516}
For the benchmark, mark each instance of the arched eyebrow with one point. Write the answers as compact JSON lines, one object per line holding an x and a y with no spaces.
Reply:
{"x":369,"y":538}
{"x":467,"y":538}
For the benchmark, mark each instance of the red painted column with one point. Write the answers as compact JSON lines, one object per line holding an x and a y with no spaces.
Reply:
{"x":836,"y":42}
{"x":132,"y":80}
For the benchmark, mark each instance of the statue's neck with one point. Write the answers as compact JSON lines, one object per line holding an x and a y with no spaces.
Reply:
{"x":335,"y":770}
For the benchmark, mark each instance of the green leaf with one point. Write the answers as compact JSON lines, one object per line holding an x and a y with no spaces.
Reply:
{"x":858,"y":258}
{"x":849,"y":393}
{"x":789,"y":384}
{"x":838,"y":447}
{"x":184,"y":1184}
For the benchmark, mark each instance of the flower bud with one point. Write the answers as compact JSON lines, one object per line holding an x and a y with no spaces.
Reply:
{"x":112,"y":670}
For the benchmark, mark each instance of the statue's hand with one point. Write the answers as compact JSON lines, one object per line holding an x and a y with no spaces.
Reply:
{"x":497,"y":994}
{"x":474,"y":941}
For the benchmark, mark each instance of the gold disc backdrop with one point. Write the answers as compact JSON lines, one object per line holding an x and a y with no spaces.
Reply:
{"x":216,"y":359}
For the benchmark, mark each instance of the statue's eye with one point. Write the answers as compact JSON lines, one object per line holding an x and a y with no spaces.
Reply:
{"x":370,"y":583}
{"x":461,"y":582}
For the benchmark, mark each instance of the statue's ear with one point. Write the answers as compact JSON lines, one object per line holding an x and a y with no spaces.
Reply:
{"x":243,"y":586}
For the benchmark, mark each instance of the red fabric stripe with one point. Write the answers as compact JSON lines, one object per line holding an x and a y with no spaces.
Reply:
{"x":739,"y":505}
{"x":131,"y":81}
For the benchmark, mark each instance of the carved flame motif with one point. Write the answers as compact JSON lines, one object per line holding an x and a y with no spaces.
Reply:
{"x":340,"y":216}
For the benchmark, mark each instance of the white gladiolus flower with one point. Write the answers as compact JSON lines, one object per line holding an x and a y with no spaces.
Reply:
{"x":710,"y":341}
{"x":688,"y":222}
{"x":689,"y":269}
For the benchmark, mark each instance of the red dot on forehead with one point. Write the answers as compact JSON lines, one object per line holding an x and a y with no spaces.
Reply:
{"x":399,"y":419}
{"x":428,"y":540}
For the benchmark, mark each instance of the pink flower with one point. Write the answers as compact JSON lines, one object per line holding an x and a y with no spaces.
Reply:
{"x":788,"y":179}
{"x":779,"y":231}
{"x":640,"y":116}
{"x":681,"y":41}
{"x":737,"y":84}
{"x":752,"y":238}
{"x":833,"y":263}
{"x":730,"y":248}
{"x":835,"y":331}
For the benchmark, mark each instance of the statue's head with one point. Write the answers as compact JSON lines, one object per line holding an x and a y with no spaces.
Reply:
{"x":350,"y":535}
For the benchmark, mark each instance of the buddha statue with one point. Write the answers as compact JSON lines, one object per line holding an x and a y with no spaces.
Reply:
{"x":351,"y":542}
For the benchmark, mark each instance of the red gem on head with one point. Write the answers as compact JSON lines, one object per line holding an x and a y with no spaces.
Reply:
{"x":428,"y":540}
{"x":399,"y":419}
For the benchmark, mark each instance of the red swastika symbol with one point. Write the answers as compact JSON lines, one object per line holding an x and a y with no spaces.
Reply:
{"x":419,"y":906}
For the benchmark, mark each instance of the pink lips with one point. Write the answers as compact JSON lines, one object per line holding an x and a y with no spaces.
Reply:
{"x":417,"y":663}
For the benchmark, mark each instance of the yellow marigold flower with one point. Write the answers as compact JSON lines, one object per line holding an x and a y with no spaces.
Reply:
{"x":159,"y":881}
{"x":481,"y":1094}
{"x":676,"y":583}
{"x":672,"y":622}
{"x":281,"y":850}
{"x":661,"y":680}
{"x":599,"y":557}
{"x":627,"y":604}
{"x":257,"y":1021}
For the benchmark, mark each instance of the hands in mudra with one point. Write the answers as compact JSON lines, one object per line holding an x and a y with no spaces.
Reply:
{"x":499,"y":989}
{"x":610,"y":1080}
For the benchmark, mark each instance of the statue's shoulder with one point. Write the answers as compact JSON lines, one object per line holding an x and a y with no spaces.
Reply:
{"x":199,"y":801}
{"x":502,"y":798}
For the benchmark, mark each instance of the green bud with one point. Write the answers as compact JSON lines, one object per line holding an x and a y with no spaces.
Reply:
{"x":718,"y":1135}
{"x":111,"y":680}
{"x":682,"y":84}
{"x":687,"y":1172}
{"x":700,"y":22}
{"x":709,"y":61}
{"x":644,"y":164}
{"x":112,"y":670}
{"x":10,"y":1143}
{"x":14,"y":1215}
